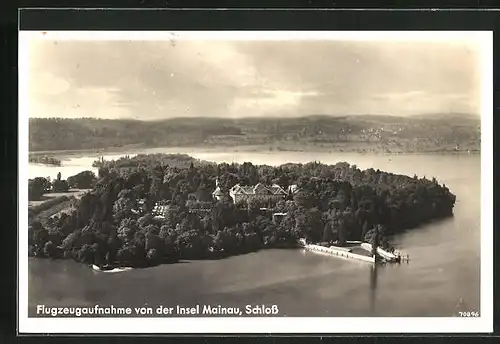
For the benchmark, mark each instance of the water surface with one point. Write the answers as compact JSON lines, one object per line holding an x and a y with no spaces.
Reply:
{"x":441,"y":278}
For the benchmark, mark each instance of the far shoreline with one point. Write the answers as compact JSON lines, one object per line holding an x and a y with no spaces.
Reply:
{"x":135,"y":149}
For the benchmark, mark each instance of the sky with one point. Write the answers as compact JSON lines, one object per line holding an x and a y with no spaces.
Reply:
{"x":151,"y":80}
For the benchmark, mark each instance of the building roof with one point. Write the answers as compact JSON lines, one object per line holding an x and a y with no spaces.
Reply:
{"x":277,"y":190}
{"x":218,"y":192}
{"x":238,"y":189}
{"x":258,"y":189}
{"x":161,"y":208}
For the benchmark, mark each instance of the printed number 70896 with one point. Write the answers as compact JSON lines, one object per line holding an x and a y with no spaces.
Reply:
{"x":469,"y":314}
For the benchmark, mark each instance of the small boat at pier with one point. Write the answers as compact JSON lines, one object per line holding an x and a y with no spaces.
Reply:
{"x":390,"y":257}
{"x":110,"y":268}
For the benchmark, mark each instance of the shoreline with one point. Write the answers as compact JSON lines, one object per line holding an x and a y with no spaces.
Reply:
{"x":213,"y":256}
{"x":243,"y":148}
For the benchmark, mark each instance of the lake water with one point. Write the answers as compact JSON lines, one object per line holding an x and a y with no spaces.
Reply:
{"x":441,"y":278}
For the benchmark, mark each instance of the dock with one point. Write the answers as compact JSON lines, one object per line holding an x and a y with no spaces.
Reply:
{"x":340,"y":252}
{"x":361,"y":251}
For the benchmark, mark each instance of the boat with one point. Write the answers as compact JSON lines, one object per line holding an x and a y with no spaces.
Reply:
{"x":110,"y":268}
{"x":395,"y":257}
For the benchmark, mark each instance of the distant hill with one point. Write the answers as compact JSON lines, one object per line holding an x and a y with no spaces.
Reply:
{"x":460,"y":117}
{"x":416,"y":133}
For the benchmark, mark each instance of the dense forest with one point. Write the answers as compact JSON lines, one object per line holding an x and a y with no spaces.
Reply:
{"x":38,"y":186}
{"x":387,"y":133}
{"x":114,"y":223}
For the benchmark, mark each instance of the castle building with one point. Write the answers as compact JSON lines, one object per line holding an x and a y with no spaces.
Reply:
{"x":264,"y":193}
{"x":260,"y":191}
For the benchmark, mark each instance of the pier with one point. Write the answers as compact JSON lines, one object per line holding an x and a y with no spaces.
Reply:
{"x":361,"y":251}
{"x":340,"y":252}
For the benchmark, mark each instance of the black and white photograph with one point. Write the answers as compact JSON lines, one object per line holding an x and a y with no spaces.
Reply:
{"x":255,"y":182}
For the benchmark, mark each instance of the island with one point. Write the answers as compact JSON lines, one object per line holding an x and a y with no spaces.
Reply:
{"x":147,"y":210}
{"x":44,"y":159}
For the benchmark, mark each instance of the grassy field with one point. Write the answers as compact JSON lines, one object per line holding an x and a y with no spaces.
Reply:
{"x":63,"y":202}
{"x":77,"y":193}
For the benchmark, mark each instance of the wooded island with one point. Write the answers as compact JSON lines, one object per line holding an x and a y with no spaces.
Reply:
{"x":151,"y":209}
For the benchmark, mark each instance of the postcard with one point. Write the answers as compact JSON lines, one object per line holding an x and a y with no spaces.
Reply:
{"x":255,"y":182}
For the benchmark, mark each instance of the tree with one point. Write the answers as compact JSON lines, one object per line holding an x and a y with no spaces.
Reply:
{"x":327,"y":233}
{"x":375,"y":239}
{"x":37,"y":187}
{"x":98,"y":253}
{"x":71,"y":241}
{"x":35,"y":191}
{"x":364,"y":230}
{"x":86,"y":254}
{"x":127,"y":230}
{"x":281,"y":206}
{"x":223,"y":215}
{"x":145,"y":221}
{"x":342,"y":232}
{"x":138,"y":191}
{"x":60,"y":185}
{"x":122,"y":209}
{"x":302,"y":199}
{"x":103,"y":172}
{"x":153,"y":241}
{"x":253,"y":206}
{"x":40,"y":236}
{"x":127,"y":253}
{"x":49,"y":249}
{"x":86,"y":208}
{"x":156,"y":183}
{"x":82,"y":180}
{"x":154,"y":256}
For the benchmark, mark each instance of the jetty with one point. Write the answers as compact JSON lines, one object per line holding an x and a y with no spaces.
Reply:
{"x":357,"y":250}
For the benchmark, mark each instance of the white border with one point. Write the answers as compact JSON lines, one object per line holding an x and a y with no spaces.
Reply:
{"x":482,"y":324}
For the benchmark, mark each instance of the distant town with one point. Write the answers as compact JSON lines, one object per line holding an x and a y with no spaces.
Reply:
{"x":384,"y":134}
